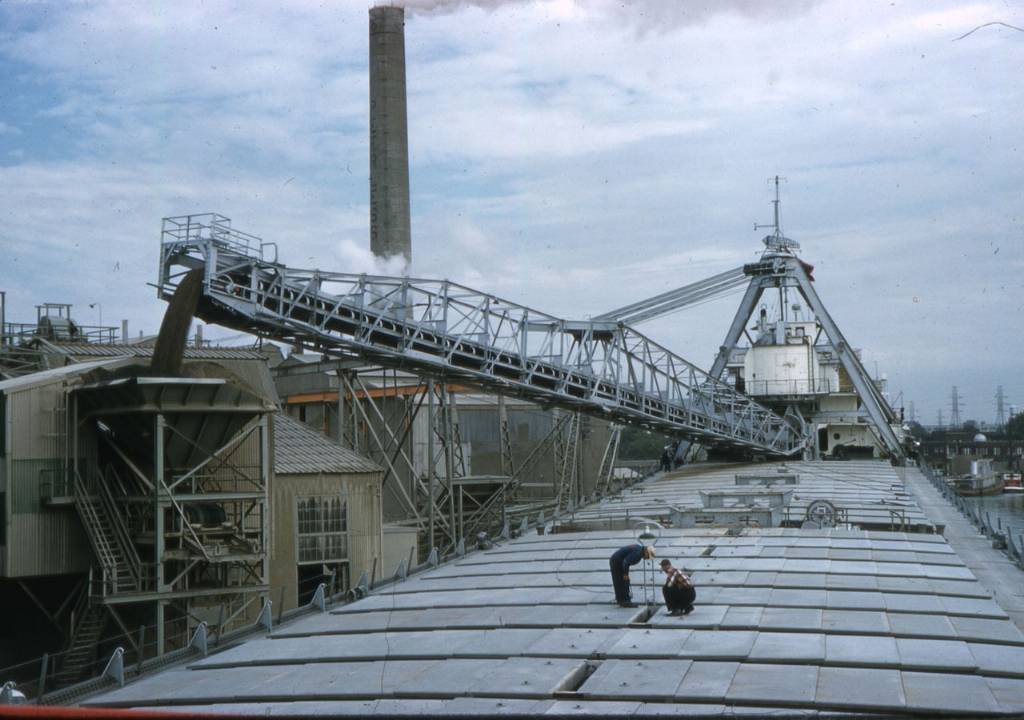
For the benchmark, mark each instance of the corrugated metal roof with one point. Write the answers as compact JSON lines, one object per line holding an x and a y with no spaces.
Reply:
{"x":299,"y":449}
{"x":143,"y":351}
{"x":44,"y":376}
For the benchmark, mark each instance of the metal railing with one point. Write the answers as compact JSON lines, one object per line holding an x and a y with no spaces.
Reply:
{"x":93,"y":526}
{"x":212,"y":227}
{"x":1002,"y":538}
{"x":20,"y":333}
{"x":59,"y":486}
{"x":122,"y":537}
{"x":821,"y":386}
{"x":442,"y":328}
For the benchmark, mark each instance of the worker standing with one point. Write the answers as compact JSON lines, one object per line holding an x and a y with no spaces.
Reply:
{"x":619,"y":564}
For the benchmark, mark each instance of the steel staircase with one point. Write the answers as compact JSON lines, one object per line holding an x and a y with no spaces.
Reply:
{"x":80,"y":655}
{"x":120,"y":565}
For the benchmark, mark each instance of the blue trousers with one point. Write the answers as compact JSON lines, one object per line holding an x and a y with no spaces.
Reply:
{"x":623,"y":592}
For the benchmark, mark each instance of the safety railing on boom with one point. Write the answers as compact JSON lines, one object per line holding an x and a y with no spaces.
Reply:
{"x":440,"y":328}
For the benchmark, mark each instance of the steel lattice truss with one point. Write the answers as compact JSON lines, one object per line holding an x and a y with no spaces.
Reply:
{"x":444,"y":329}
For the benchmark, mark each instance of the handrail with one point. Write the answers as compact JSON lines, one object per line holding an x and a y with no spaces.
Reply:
{"x":92,"y":522}
{"x":186,"y":525}
{"x":80,"y":605}
{"x":123,"y":536}
{"x":112,"y":471}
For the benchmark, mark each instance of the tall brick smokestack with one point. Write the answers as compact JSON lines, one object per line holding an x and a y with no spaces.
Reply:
{"x":390,"y":234}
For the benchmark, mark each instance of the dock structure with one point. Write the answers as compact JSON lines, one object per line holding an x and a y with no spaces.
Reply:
{"x":794,"y":621}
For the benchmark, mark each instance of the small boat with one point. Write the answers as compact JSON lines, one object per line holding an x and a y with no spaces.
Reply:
{"x":969,"y":485}
{"x":981,"y":480}
{"x":1012,"y":483}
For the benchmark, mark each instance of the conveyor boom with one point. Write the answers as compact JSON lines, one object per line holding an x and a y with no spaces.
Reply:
{"x":446,"y":330}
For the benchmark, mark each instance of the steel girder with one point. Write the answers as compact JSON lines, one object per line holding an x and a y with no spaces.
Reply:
{"x":674,"y":300}
{"x":443,"y":329}
{"x":776,"y":270}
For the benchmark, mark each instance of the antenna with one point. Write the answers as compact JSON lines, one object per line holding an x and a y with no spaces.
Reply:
{"x":777,"y":243}
{"x":775,"y":225}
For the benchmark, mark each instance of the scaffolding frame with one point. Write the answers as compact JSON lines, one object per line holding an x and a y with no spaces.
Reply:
{"x":142,"y":517}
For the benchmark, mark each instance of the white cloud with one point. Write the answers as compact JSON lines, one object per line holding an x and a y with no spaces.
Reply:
{"x":570,"y":156}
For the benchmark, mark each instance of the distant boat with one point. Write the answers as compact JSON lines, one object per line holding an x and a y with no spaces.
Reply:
{"x":1012,"y":483}
{"x":981,"y":480}
{"x":978,"y":485}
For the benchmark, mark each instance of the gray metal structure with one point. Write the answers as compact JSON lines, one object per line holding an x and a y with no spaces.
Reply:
{"x":675,"y":300}
{"x":779,"y":267}
{"x":442,"y":329}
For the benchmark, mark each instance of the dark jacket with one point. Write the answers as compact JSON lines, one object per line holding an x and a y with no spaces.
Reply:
{"x":625,"y":557}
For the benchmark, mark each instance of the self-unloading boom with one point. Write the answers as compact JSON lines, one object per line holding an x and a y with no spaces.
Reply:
{"x":446,"y":330}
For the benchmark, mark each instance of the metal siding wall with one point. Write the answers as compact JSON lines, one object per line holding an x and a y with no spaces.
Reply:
{"x":245,"y":455}
{"x":41,"y":541}
{"x":48,"y":544}
{"x":481,"y":428}
{"x":5,"y":463}
{"x":364,"y":518}
{"x":364,"y":524}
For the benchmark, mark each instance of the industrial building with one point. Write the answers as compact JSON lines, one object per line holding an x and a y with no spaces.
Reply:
{"x":325,"y":503}
{"x":137,"y":504}
{"x":941,"y":449}
{"x":151,"y":489}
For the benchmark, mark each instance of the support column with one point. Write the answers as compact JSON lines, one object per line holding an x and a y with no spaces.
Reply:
{"x":160,"y":638}
{"x":878,"y":409}
{"x":354,"y":402}
{"x":431,"y":475}
{"x":341,"y":411}
{"x":265,"y":532}
{"x":743,"y":313}
{"x":449,"y":461}
{"x":158,"y":525}
{"x":507,"y":465}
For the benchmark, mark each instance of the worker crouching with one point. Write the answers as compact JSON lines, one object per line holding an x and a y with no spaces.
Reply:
{"x":678,"y":590}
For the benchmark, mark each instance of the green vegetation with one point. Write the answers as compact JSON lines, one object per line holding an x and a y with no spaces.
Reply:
{"x":638,"y":444}
{"x":1015,"y":428}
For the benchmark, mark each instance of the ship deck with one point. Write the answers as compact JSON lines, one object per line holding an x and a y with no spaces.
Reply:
{"x":788,"y":621}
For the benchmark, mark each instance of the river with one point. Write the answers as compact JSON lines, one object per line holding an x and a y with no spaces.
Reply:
{"x":1008,"y":507}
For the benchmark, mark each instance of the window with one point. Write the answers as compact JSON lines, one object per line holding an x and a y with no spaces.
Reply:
{"x":321,"y":529}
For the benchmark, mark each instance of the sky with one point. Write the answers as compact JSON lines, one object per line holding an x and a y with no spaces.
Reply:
{"x":570,"y":155}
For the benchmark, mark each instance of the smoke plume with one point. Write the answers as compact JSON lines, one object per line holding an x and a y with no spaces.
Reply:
{"x":643,"y":15}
